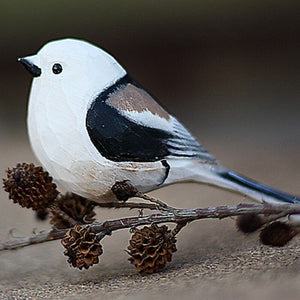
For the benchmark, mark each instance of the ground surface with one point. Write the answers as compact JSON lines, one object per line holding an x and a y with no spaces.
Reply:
{"x":213,"y":260}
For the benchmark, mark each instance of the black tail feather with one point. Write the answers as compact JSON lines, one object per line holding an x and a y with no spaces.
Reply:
{"x":253,"y":185}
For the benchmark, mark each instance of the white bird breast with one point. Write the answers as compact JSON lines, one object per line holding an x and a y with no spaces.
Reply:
{"x":59,"y":138}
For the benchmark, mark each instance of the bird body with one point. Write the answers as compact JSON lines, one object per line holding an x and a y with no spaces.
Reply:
{"x":91,"y":125}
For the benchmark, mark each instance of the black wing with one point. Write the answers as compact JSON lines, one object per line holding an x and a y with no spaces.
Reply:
{"x":119,"y":138}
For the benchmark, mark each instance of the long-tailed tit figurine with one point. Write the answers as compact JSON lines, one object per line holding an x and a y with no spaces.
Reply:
{"x":91,"y":125}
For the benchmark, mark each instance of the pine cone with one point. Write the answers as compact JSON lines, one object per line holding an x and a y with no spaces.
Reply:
{"x":277,"y":234}
{"x":249,"y":223}
{"x":77,"y":207}
{"x":82,"y":247}
{"x":30,"y":186}
{"x":151,"y":248}
{"x":124,"y":190}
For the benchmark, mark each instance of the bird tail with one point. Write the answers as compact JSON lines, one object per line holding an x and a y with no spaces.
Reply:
{"x":257,"y":191}
{"x":219,"y":176}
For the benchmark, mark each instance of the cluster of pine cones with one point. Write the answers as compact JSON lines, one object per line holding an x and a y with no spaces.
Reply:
{"x":150,"y":248}
{"x":276,"y":234}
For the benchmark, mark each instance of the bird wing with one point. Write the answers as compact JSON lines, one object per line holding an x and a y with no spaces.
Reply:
{"x":125,"y":123}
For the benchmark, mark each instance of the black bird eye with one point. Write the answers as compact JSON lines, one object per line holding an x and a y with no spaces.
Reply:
{"x":57,"y":68}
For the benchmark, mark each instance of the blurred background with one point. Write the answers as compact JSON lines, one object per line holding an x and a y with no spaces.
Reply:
{"x":229,"y":70}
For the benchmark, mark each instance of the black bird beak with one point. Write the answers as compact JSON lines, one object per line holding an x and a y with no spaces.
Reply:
{"x":34,"y":70}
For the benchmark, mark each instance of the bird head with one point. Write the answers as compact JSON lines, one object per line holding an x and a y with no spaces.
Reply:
{"x":73,"y":65}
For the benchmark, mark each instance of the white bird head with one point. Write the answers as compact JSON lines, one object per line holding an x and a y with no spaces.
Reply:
{"x":73,"y":66}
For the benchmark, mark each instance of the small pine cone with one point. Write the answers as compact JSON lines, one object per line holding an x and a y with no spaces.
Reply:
{"x":124,"y":190}
{"x":249,"y":223}
{"x":30,"y":186}
{"x":277,"y":234}
{"x":82,"y":247}
{"x":77,"y":207}
{"x":151,"y":248}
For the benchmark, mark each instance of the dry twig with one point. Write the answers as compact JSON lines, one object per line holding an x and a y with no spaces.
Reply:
{"x":182,"y":216}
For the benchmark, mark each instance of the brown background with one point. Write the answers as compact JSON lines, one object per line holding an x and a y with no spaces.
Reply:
{"x":230,"y":72}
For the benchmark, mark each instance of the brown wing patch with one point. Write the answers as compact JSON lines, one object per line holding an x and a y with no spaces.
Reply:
{"x":132,"y":98}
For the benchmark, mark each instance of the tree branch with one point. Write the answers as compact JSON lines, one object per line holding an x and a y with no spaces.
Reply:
{"x":57,"y":211}
{"x":159,"y":204}
{"x":130,"y":205}
{"x":180,"y":216}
